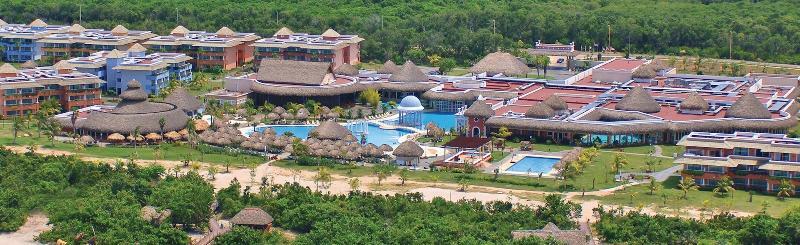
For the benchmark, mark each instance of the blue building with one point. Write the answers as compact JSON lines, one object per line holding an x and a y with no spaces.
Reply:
{"x":154,"y":71}
{"x":18,"y":42}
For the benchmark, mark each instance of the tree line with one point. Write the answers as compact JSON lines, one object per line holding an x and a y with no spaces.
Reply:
{"x":467,"y":30}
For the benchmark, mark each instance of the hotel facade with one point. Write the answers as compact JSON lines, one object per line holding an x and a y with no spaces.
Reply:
{"x":329,"y":47}
{"x":24,"y":90}
{"x":754,"y":161}
{"x":78,"y":41}
{"x":19,"y":42}
{"x":224,"y":49}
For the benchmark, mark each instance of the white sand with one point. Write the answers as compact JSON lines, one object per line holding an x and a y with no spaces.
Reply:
{"x":34,"y":225}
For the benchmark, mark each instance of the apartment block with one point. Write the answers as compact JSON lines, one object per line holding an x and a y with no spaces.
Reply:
{"x":154,"y":71}
{"x":330,"y":47}
{"x":754,"y":161}
{"x":23,"y":90}
{"x":18,"y":42}
{"x":224,"y":49}
{"x":78,"y":41}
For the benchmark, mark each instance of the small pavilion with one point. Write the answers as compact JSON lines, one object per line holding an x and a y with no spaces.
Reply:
{"x":254,"y":218}
{"x":410,"y":112}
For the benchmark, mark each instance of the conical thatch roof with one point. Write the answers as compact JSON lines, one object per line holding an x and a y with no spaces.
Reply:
{"x":30,"y":64}
{"x":179,"y":30}
{"x":116,"y":137}
{"x":225,"y":31}
{"x":330,"y":33}
{"x":63,"y":65}
{"x":8,"y":69}
{"x":115,"y":54}
{"x":500,"y":62}
{"x":86,"y":139}
{"x":330,"y":130}
{"x":252,"y":216}
{"x":556,"y":103}
{"x":38,"y":23}
{"x":479,"y":109}
{"x":540,"y":111}
{"x":2,"y":23}
{"x":748,"y":107}
{"x":201,"y":125}
{"x":346,"y":69}
{"x":153,"y":136}
{"x":134,"y":92}
{"x":385,"y":147}
{"x":119,"y":30}
{"x":409,"y":73}
{"x":181,"y":98}
{"x":172,"y":135}
{"x":408,"y":148}
{"x":137,"y":48}
{"x":76,"y":28}
{"x":638,"y":100}
{"x":694,"y":102}
{"x":389,"y":67}
{"x":284,"y":31}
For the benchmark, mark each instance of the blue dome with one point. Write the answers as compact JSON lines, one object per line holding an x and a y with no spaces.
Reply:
{"x":410,"y":103}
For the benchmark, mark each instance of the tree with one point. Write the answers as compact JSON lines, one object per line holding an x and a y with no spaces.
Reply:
{"x":463,"y":185}
{"x":188,"y":196}
{"x":136,"y":135}
{"x":383,"y":171}
{"x":354,"y":183}
{"x":502,"y":133}
{"x":323,"y":178}
{"x":245,"y":235}
{"x":724,"y":186}
{"x":162,"y":122}
{"x":446,"y":65}
{"x":212,"y":171}
{"x":785,"y":189}
{"x":371,"y":97}
{"x":653,"y":187}
{"x":403,"y":176}
{"x":620,"y":161}
{"x":687,"y":184}
{"x":17,"y":124}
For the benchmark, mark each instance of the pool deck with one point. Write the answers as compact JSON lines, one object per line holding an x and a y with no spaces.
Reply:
{"x":516,"y":157}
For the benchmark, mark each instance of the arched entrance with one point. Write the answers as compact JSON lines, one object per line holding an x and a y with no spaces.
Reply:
{"x":476,"y":132}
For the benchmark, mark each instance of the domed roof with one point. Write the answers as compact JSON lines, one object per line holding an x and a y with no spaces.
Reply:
{"x":541,"y":111}
{"x":410,"y":103}
{"x":748,"y":107}
{"x":694,"y":102}
{"x":638,"y":100}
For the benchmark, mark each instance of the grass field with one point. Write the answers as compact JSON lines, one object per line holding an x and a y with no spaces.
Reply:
{"x":668,"y":196}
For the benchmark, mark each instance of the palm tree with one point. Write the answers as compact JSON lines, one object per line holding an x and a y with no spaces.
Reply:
{"x":724,"y":186}
{"x":785,"y":189}
{"x":162,"y":122}
{"x":687,"y":184}
{"x":212,"y":171}
{"x":17,"y":124}
{"x":619,"y":162}
{"x":653,"y":186}
{"x":137,"y":132}
{"x":355,"y":183}
{"x":403,"y":176}
{"x":323,"y":178}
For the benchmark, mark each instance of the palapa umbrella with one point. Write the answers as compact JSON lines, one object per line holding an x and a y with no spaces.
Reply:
{"x":278,"y":110}
{"x":86,"y":139}
{"x":172,"y":135}
{"x":224,"y":141}
{"x":273,"y":116}
{"x":153,"y":137}
{"x":385,"y":147}
{"x":117,"y":137}
{"x":138,"y":138}
{"x":183,"y":132}
{"x":288,"y":149}
{"x":287,"y":116}
{"x":201,"y":125}
{"x":350,"y":138}
{"x":333,"y":115}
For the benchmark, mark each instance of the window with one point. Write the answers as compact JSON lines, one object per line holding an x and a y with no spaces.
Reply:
{"x":785,"y":157}
{"x":10,"y":91}
{"x":740,"y":151}
{"x":91,"y":96}
{"x":778,"y":173}
{"x":76,"y":98}
{"x":694,"y":167}
{"x":27,"y":90}
{"x":11,"y":102}
{"x":715,"y":169}
{"x":27,"y":101}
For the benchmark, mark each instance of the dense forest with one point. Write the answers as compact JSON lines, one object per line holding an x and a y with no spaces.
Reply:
{"x":87,"y":201}
{"x":466,"y":29}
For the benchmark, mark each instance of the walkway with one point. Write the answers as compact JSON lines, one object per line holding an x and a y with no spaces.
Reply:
{"x":213,"y":233}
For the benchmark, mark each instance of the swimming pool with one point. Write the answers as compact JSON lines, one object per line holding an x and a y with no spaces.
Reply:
{"x":533,"y":165}
{"x":445,"y":120}
{"x":375,"y":134}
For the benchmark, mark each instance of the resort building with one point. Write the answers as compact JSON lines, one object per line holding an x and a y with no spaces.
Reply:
{"x":329,"y":47}
{"x":78,"y":41}
{"x":131,"y":115}
{"x":24,"y":90}
{"x":19,"y":42}
{"x":154,"y":71}
{"x":754,"y":161}
{"x":224,"y":49}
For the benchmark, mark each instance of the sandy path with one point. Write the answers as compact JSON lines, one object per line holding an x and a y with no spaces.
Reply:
{"x":34,"y":225}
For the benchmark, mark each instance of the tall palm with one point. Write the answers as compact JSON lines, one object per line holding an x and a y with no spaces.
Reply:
{"x":162,"y":122}
{"x":137,"y":132}
{"x":619,"y":162}
{"x":724,"y":186}
{"x":17,"y":124}
{"x":687,"y":184}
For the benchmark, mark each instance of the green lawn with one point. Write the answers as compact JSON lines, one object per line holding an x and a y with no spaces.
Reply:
{"x":174,"y":152}
{"x":703,"y":199}
{"x":499,"y":155}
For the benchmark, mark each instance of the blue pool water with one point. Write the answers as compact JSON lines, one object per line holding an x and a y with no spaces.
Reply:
{"x":445,"y":120}
{"x":533,"y":165}
{"x":375,"y":134}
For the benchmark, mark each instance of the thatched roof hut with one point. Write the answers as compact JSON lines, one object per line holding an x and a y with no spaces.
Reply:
{"x":385,"y":147}
{"x":201,"y":125}
{"x":694,"y":102}
{"x":153,"y":137}
{"x":479,"y":109}
{"x":409,"y":73}
{"x":30,"y":64}
{"x":278,"y":110}
{"x":644,"y":72}
{"x":389,"y":67}
{"x":287,"y":116}
{"x":181,"y":98}
{"x":252,"y":217}
{"x":330,"y":130}
{"x":346,"y":70}
{"x":556,"y":103}
{"x":172,"y":135}
{"x":408,"y":148}
{"x":540,"y":111}
{"x":272,"y":116}
{"x":748,"y":107}
{"x":135,"y":111}
{"x":638,"y":99}
{"x":500,"y":62}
